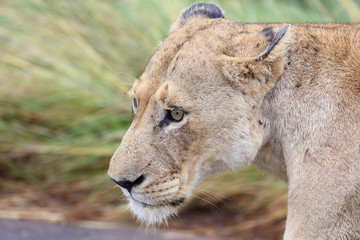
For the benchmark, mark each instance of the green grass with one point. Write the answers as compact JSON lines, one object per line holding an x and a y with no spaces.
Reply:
{"x":65,"y":67}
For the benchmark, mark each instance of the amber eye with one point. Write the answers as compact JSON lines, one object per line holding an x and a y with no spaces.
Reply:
{"x":177,"y":115}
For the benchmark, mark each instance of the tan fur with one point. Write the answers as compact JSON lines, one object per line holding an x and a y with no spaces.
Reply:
{"x":294,"y":113}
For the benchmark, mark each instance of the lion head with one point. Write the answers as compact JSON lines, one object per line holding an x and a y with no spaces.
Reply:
{"x":196,"y":109}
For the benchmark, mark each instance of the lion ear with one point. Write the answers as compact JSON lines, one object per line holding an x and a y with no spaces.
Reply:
{"x":196,"y":13}
{"x":258,"y":74}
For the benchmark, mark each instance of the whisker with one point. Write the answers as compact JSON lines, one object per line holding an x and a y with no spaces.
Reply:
{"x":213,"y":195}
{"x":203,"y":199}
{"x":176,"y":215}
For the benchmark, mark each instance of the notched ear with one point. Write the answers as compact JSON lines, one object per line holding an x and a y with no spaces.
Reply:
{"x":256,"y":75}
{"x":196,"y":13}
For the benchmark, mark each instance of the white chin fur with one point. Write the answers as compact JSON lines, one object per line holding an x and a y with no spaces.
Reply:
{"x":152,"y":215}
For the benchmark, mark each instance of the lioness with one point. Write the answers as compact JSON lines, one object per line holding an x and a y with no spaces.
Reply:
{"x":220,"y":95}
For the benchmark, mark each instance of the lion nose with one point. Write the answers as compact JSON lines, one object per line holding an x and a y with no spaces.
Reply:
{"x":129,"y":184}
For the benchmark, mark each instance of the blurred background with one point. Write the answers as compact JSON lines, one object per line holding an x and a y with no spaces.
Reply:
{"x":65,"y":67}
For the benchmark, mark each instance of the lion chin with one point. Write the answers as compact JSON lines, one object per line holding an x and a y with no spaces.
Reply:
{"x":153,"y":215}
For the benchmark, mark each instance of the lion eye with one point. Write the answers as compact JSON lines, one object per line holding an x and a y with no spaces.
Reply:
{"x":177,"y":115}
{"x":135,"y":106}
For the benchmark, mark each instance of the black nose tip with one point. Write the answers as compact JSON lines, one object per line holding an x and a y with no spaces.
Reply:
{"x":128,"y":184}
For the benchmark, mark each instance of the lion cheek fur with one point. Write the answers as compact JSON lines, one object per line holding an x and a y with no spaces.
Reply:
{"x":237,"y":153}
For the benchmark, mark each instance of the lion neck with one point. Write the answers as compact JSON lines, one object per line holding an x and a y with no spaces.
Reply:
{"x":293,"y":120}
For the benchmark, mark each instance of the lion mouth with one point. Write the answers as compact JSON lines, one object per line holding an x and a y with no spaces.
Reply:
{"x":154,"y":214}
{"x":176,"y":203}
